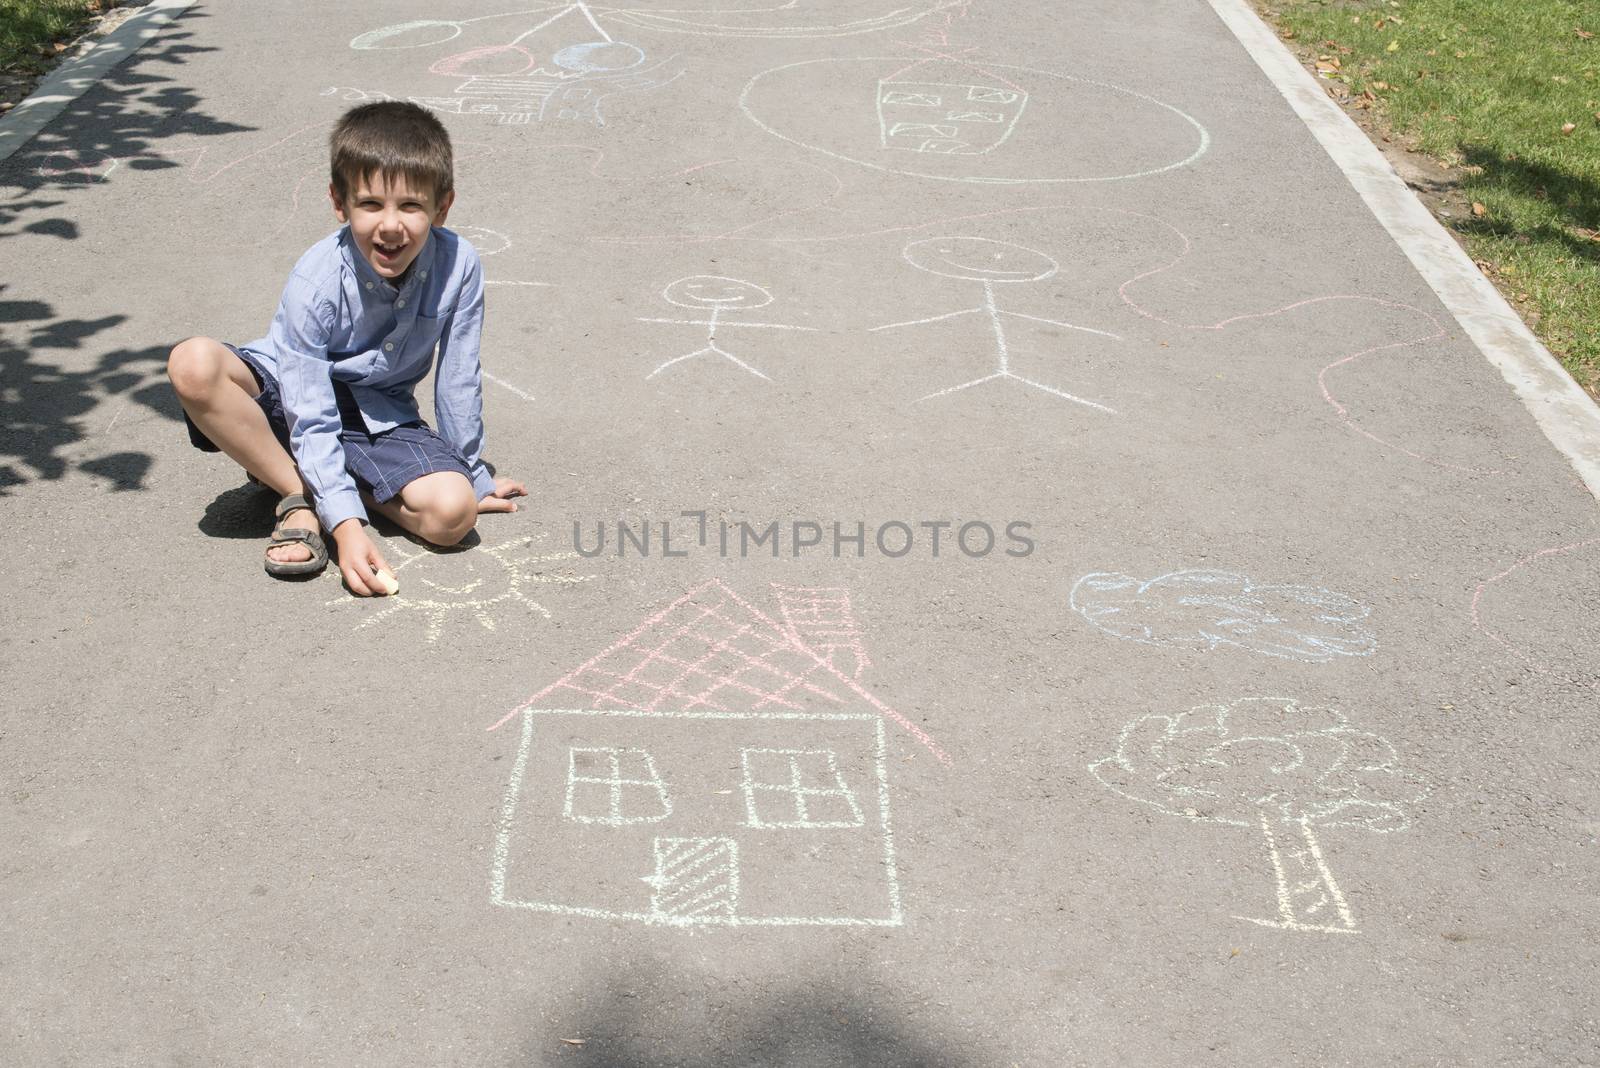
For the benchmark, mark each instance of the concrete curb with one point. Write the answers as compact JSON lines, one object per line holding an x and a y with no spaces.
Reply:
{"x":73,"y":78}
{"x":1566,"y":414}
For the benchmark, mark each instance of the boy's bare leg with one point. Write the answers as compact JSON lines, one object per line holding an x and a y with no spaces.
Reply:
{"x":440,"y":508}
{"x":218,"y":391}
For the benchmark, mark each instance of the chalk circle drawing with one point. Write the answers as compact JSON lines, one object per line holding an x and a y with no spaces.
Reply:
{"x":696,"y":818}
{"x":1271,"y":765}
{"x":710,"y":768}
{"x":716,"y":295}
{"x":793,"y":18}
{"x":965,"y":120}
{"x":990,"y":263}
{"x":1205,"y":609}
{"x":487,"y":242}
{"x":488,"y":585}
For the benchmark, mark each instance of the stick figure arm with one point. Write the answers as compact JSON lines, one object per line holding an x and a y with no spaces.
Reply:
{"x":1069,"y":326}
{"x":935,"y":319}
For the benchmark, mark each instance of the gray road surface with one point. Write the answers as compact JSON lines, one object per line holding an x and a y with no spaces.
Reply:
{"x":1270,"y":741}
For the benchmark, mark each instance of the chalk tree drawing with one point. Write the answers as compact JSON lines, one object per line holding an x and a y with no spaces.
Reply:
{"x":716,"y":294}
{"x":1206,"y":609}
{"x":725,"y":18}
{"x":957,"y":118}
{"x":991,"y":263}
{"x":708,"y":768}
{"x":693,"y":818}
{"x":1271,"y":765}
{"x":484,"y":584}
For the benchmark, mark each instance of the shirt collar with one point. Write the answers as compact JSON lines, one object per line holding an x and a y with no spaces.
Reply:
{"x":421,"y":267}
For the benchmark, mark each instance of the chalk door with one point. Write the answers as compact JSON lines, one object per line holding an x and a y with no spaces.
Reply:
{"x":696,"y":880}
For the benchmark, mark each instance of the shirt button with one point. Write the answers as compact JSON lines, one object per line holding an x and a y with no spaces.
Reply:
{"x":388,"y":346}
{"x":424,"y":274}
{"x":369,"y":285}
{"x":400,"y":303}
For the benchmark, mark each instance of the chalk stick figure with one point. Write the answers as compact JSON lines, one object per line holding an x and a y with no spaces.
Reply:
{"x":718,"y":294}
{"x":980,"y":259}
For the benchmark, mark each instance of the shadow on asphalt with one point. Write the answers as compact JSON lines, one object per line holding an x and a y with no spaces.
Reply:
{"x":46,"y":409}
{"x":624,"y":1024}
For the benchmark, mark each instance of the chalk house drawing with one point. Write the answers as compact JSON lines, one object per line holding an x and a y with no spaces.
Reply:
{"x":716,"y":771}
{"x":1276,"y":767}
{"x":1206,"y":609}
{"x":958,"y":118}
{"x":990,"y":263}
{"x":488,"y":585}
{"x":716,"y":295}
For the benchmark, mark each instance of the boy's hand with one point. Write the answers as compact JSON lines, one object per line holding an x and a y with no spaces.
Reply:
{"x":500,"y":499}
{"x":359,"y":559}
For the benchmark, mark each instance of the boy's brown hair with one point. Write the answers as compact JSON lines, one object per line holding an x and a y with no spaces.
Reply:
{"x":392,"y":138}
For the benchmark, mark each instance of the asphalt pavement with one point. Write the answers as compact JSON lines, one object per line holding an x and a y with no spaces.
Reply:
{"x":1021,"y":569}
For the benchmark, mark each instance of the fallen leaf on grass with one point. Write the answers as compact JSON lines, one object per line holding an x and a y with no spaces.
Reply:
{"x":1583,"y":34}
{"x":1568,"y":127}
{"x":1479,"y":210}
{"x":1394,"y":46}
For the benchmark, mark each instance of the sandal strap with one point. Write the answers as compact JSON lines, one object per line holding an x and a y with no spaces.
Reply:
{"x":290,"y":535}
{"x":294,"y":502}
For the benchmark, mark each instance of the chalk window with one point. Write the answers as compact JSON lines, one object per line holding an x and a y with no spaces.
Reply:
{"x":984,"y":92}
{"x":614,"y":787}
{"x":796,"y":788}
{"x":921,"y":100}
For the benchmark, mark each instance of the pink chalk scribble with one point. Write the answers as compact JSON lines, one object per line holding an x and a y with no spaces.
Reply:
{"x":712,"y":651}
{"x":1474,"y":610}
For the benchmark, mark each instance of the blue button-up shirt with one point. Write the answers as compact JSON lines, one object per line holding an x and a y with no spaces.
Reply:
{"x":341,"y":321}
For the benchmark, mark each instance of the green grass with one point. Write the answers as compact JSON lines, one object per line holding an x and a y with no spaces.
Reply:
{"x":1486,"y":86}
{"x":27,"y":26}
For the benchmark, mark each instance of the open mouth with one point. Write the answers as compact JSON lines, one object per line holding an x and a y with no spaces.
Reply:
{"x":387,"y":252}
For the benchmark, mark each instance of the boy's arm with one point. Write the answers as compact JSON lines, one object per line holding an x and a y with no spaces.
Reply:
{"x":300,"y":334}
{"x":458,"y":391}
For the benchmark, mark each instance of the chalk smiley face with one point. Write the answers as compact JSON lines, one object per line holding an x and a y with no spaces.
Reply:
{"x":979,"y":259}
{"x":716,"y":291}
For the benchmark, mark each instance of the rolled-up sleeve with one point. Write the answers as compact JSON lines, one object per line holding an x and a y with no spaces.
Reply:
{"x":300,"y":335}
{"x":458,"y":394}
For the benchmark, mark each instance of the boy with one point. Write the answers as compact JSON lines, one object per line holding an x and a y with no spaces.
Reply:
{"x":323,"y":406}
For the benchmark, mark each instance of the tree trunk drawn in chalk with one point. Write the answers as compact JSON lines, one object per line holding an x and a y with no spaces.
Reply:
{"x":1279,"y":769}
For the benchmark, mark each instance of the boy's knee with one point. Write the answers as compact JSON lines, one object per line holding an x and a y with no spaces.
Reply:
{"x":193,"y":367}
{"x":450,"y":516}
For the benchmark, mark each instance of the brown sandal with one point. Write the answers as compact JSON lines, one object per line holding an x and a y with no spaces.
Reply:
{"x":282,"y":535}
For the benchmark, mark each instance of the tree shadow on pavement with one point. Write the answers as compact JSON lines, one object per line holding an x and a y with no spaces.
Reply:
{"x":45,"y":407}
{"x":624,"y":1024}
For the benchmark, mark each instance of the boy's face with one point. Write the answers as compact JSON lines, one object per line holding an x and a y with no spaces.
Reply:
{"x":389,"y":220}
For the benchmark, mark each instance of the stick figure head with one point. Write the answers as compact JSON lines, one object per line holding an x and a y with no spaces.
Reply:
{"x":596,"y":56}
{"x":979,"y":259}
{"x":715,"y":291}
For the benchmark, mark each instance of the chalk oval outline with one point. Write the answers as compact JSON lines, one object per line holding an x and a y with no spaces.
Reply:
{"x":1205,"y":135}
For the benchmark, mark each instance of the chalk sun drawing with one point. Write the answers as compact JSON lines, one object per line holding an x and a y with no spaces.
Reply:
{"x":951,"y":117}
{"x":719,"y":772}
{"x":1206,"y":609}
{"x":715,"y":295}
{"x":1275,"y":766}
{"x":483,"y":584}
{"x":991,"y":263}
